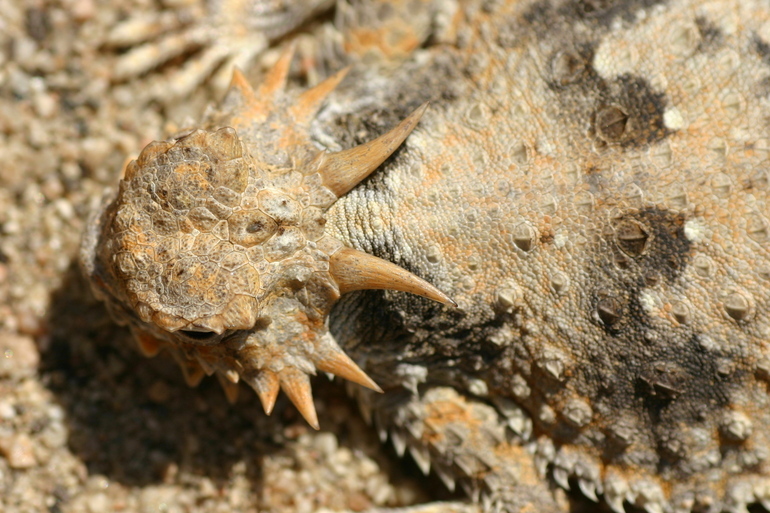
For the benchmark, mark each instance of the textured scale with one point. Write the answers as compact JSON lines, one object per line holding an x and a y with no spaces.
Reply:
{"x":591,"y":186}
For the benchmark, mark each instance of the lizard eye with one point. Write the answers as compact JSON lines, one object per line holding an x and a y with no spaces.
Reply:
{"x":199,"y":335}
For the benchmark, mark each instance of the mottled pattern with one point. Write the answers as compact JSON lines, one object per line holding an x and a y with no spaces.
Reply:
{"x":591,"y":185}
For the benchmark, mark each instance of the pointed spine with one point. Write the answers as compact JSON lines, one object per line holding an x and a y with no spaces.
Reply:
{"x":296,"y":385}
{"x":356,"y":270}
{"x":310,"y":101}
{"x":207,"y":367}
{"x":240,"y":83}
{"x":336,"y":362}
{"x":275,"y":80}
{"x":230,"y":388}
{"x":193,"y":373}
{"x":266,"y":384}
{"x":149,"y":346}
{"x":343,"y":170}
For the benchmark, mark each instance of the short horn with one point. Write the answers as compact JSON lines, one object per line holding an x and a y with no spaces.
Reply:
{"x":230,"y":388}
{"x":240,"y":83}
{"x":330,"y":358}
{"x":193,"y":373}
{"x":148,"y":345}
{"x":265,"y":383}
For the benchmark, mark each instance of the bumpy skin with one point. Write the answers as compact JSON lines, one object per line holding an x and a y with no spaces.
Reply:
{"x":591,"y":185}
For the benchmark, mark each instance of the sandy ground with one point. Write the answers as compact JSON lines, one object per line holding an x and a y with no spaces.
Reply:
{"x":86,"y":423}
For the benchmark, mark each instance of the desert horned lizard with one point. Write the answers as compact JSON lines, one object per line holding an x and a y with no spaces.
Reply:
{"x":590,"y":185}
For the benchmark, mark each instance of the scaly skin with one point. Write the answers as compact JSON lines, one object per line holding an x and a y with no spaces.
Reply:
{"x":590,"y":185}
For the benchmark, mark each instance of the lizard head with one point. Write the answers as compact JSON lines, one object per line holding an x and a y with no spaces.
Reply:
{"x":215,"y":247}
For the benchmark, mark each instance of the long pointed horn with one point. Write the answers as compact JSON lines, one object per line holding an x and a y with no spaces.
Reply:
{"x":356,"y":270}
{"x":343,"y":170}
{"x":310,"y":101}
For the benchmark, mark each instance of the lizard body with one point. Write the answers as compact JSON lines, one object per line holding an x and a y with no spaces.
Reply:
{"x":589,"y":184}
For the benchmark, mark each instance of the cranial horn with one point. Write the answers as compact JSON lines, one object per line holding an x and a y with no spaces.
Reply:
{"x":309,"y":102}
{"x":275,"y":80}
{"x":343,"y":170}
{"x":356,"y":270}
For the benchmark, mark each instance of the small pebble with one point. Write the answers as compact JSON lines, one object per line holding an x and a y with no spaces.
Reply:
{"x":83,"y":10}
{"x":159,"y":392}
{"x":98,"y":503}
{"x":45,"y":104}
{"x":18,"y":355}
{"x":325,"y":443}
{"x":18,"y":451}
{"x":7,"y":411}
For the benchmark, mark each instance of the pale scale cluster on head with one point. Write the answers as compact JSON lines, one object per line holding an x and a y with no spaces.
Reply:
{"x":201,"y":231}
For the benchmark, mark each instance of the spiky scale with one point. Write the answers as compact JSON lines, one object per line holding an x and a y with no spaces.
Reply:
{"x":231,"y":389}
{"x":296,"y":385}
{"x":274,"y":82}
{"x":330,"y":358}
{"x":148,"y":345}
{"x":267,"y":385}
